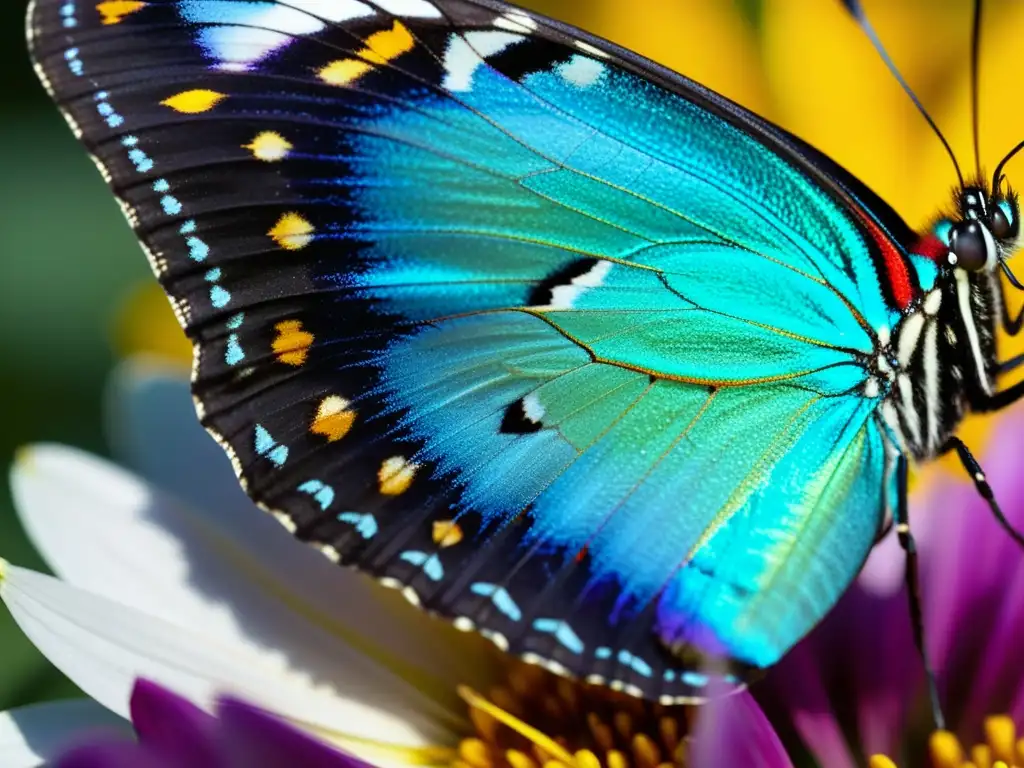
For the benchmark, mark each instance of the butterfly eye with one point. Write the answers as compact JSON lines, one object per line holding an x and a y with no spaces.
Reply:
{"x":970,"y":244}
{"x":1004,"y":220}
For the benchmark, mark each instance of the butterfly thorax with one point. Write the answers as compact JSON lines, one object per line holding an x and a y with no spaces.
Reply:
{"x":940,"y":360}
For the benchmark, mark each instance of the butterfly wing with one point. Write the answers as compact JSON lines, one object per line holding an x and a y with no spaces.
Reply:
{"x":568,"y":348}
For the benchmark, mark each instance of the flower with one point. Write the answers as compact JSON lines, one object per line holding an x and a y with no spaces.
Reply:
{"x":855,"y":685}
{"x":204,"y":595}
{"x":174,"y":733}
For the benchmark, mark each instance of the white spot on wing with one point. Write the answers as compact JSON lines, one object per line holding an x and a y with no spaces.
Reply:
{"x":415,"y":8}
{"x":466,"y":53}
{"x":516,"y":21}
{"x":243,"y":34}
{"x":581,"y":70}
{"x":564,"y":296}
{"x":533,"y":408}
{"x":588,"y":48}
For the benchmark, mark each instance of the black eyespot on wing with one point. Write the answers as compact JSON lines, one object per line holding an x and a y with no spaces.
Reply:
{"x":518,"y":420}
{"x":543,"y":293}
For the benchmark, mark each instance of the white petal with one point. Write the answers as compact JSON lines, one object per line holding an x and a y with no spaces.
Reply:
{"x":34,"y":735}
{"x":154,"y":430}
{"x":103,"y":646}
{"x":107,"y":533}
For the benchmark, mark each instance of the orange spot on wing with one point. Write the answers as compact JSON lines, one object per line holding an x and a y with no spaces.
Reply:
{"x":396,"y":475}
{"x":292,"y":343}
{"x":446,"y":533}
{"x":334,"y":418}
{"x":113,"y":11}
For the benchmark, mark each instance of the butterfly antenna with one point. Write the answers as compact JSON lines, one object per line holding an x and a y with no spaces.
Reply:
{"x":975,"y":68}
{"x":997,"y":177}
{"x":857,"y":12}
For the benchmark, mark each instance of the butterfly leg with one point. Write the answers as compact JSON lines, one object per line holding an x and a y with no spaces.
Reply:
{"x":1012,"y":325}
{"x":1009,"y":365}
{"x":909,"y":546}
{"x":983,"y":488}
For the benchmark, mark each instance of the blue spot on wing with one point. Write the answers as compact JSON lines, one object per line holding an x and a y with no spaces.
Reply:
{"x":365,"y":524}
{"x":430,"y":564}
{"x":500,"y":597}
{"x":265,"y":445}
{"x":323,"y":494}
{"x":562,"y":632}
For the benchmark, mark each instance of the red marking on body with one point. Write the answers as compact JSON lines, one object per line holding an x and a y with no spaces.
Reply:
{"x":582,"y":554}
{"x":896,"y":267}
{"x":930,"y":247}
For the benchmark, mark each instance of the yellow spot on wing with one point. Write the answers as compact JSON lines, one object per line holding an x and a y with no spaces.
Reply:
{"x":446,"y":533}
{"x":113,"y":11}
{"x":344,"y":71}
{"x":381,"y":47}
{"x":388,"y":44}
{"x":334,"y":418}
{"x":396,"y":475}
{"x":292,"y":343}
{"x":194,"y":102}
{"x":292,"y":232}
{"x":269,"y":146}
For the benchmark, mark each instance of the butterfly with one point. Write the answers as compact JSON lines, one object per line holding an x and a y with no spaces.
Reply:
{"x":568,"y":348}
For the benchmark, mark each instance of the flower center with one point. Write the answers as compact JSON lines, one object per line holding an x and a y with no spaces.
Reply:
{"x":1001,"y":749}
{"x":538,"y":720}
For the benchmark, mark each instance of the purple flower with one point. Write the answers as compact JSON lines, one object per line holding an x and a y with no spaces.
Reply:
{"x":174,"y":733}
{"x":855,"y":687}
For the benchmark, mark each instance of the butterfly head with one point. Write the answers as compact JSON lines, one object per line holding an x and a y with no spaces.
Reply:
{"x":984,"y":231}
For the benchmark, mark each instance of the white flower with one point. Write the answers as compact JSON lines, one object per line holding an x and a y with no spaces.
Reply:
{"x":203,"y":593}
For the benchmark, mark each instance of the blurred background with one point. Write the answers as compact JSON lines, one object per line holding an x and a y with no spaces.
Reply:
{"x":76,"y":294}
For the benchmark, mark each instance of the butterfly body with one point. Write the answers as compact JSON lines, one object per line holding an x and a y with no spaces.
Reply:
{"x":570,"y":349}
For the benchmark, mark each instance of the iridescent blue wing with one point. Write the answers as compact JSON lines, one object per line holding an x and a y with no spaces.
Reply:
{"x":572,"y":350}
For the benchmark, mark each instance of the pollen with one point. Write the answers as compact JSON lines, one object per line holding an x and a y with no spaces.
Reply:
{"x":539,"y":720}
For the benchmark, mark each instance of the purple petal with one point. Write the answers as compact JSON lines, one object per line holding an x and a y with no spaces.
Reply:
{"x":973,"y":586}
{"x":858,"y":667}
{"x":173,"y":727}
{"x":255,"y":739}
{"x":110,"y":754}
{"x":733,"y":731}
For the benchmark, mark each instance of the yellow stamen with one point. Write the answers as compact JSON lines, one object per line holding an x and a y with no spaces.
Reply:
{"x":1001,"y":749}
{"x":535,"y":719}
{"x":945,"y":750}
{"x":1001,"y":735}
{"x":477,"y":701}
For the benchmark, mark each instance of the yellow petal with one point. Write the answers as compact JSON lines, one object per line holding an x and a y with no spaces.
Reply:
{"x":145,"y":324}
{"x":833,"y":90}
